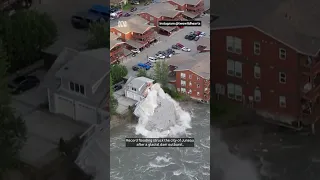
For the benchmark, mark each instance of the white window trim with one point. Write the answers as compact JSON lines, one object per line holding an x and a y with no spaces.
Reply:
{"x":257,"y":95}
{"x":183,"y":90}
{"x":198,"y":93}
{"x":183,"y":75}
{"x":230,"y":67}
{"x":281,"y":78}
{"x":280,"y":53}
{"x":231,"y":90}
{"x":183,"y":84}
{"x":238,"y":69}
{"x":256,"y":48}
{"x":233,"y":44}
{"x":190,"y":76}
{"x":282,"y":101}
{"x":238,"y":92}
{"x":198,"y":85}
{"x":257,"y":72}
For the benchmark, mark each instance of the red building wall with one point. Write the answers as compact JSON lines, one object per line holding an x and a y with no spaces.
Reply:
{"x":270,"y":66}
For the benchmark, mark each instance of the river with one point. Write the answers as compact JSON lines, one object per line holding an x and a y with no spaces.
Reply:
{"x":164,"y":163}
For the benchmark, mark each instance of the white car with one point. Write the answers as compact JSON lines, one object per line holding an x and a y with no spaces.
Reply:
{"x":186,"y":49}
{"x":152,"y":59}
{"x":202,"y":34}
{"x":159,"y":56}
{"x":136,"y":51}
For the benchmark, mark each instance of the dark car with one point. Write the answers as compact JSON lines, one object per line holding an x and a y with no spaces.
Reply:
{"x":127,"y":14}
{"x":84,"y":19}
{"x":133,"y":9}
{"x":192,"y":37}
{"x":196,"y":38}
{"x":175,"y":47}
{"x":171,"y":51}
{"x":23,"y":83}
{"x":186,"y":36}
{"x":117,"y":87}
{"x":135,"y":68}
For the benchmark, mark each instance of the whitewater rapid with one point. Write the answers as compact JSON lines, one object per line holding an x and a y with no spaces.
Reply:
{"x":161,"y":116}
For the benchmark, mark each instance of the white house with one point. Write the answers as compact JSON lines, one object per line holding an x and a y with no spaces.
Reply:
{"x":78,"y":85}
{"x":137,"y":88}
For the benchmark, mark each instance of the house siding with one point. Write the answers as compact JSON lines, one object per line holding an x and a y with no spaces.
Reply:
{"x":270,"y":65}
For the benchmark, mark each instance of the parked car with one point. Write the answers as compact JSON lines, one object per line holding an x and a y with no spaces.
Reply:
{"x":186,"y":49}
{"x":135,"y":2}
{"x":202,"y":34}
{"x":144,"y":66}
{"x":179,"y":45}
{"x":159,"y":56}
{"x":186,"y":36}
{"x":133,"y":9}
{"x":175,"y":47}
{"x":149,"y":63}
{"x":117,"y":87}
{"x":191,"y":37}
{"x":135,"y":68}
{"x":127,"y":14}
{"x":136,"y":51}
{"x":196,"y":38}
{"x":197,"y":33}
{"x":23,"y":83}
{"x":152,"y":59}
{"x":101,"y":11}
{"x":171,"y":51}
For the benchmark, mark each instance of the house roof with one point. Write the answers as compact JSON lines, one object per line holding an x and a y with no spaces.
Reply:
{"x":294,"y":23}
{"x":139,"y":82}
{"x":204,"y":41}
{"x":113,"y":36}
{"x":136,"y":24}
{"x":164,"y":9}
{"x":199,"y":64}
{"x":87,"y":67}
{"x":183,"y":2}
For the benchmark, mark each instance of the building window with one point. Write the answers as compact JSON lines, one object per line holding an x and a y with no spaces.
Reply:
{"x":178,"y":89}
{"x":76,"y":88}
{"x":257,"y":72}
{"x":198,"y":85}
{"x":220,"y":89}
{"x":282,"y":101}
{"x":190,"y":83}
{"x":198,"y":93}
{"x":231,"y":94}
{"x":183,"y":90}
{"x":234,"y":44}
{"x":282,"y":77}
{"x":190,"y":91}
{"x":238,"y":69}
{"x":238,"y":92}
{"x":183,"y":83}
{"x":71,"y":84}
{"x":183,"y":75}
{"x":256,"y":48}
{"x":282,"y":53}
{"x":198,"y":78}
{"x":230,"y":67}
{"x":190,"y":76}
{"x":257,"y":95}
{"x":134,"y":89}
{"x":234,"y":68}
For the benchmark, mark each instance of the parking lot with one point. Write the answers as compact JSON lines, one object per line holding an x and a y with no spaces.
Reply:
{"x":166,"y":42}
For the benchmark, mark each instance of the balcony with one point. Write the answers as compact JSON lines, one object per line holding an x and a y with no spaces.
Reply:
{"x":310,"y":65}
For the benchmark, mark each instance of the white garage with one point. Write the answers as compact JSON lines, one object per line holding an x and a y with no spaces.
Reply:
{"x":64,"y":106}
{"x":133,"y":96}
{"x":86,"y":114}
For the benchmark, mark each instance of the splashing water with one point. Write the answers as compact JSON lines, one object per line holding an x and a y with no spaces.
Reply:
{"x":160,"y":116}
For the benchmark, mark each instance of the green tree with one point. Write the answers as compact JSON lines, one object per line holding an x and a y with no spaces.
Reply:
{"x":25,"y":35}
{"x":161,"y":72}
{"x":99,"y":36}
{"x":118,"y":71}
{"x":142,"y":73}
{"x":12,"y":129}
{"x":113,"y":100}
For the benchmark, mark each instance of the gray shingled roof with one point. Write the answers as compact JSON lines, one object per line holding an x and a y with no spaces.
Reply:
{"x":294,"y":22}
{"x":164,"y":9}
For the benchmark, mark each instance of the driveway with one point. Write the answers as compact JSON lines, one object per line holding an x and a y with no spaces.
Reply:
{"x":165,"y":43}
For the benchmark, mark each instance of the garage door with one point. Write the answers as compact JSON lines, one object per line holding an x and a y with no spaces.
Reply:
{"x":64,"y":106}
{"x":86,"y":114}
{"x":130,"y":95}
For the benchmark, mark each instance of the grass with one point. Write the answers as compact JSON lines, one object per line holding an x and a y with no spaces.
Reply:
{"x":175,"y":94}
{"x":127,"y":6}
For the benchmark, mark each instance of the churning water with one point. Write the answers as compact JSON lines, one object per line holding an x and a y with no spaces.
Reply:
{"x":160,"y":116}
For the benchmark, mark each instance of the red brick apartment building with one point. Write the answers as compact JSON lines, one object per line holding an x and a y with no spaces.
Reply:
{"x":136,"y":33}
{"x":192,"y":75}
{"x":117,"y":49}
{"x":191,"y":8}
{"x":162,"y":12}
{"x":267,"y":57}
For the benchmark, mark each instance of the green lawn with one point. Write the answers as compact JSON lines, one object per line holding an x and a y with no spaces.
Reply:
{"x":126,"y":7}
